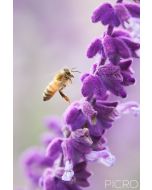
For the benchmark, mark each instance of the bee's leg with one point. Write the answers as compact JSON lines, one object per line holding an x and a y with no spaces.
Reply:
{"x":70,"y":80}
{"x":64,"y":96}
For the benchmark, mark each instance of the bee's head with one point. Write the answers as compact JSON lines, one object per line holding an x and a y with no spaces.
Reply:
{"x":68,"y":72}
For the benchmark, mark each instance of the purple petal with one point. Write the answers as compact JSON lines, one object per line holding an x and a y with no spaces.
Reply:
{"x":129,"y":107}
{"x":124,"y":65}
{"x":104,"y":157}
{"x":133,"y":46}
{"x":90,"y":113}
{"x":133,"y":8}
{"x":54,"y":149}
{"x":118,"y":33}
{"x":122,"y":12}
{"x":74,"y":117}
{"x":115,"y":49}
{"x":84,"y":76}
{"x":94,"y":48}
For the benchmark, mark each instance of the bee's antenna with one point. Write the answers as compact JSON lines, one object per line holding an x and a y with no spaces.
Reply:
{"x":75,"y":71}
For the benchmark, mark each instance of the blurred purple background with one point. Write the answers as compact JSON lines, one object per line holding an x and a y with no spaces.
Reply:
{"x":49,"y":35}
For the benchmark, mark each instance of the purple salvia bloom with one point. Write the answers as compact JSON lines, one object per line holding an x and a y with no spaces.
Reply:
{"x":133,"y":8}
{"x":77,"y":145}
{"x":130,"y":42}
{"x":112,"y":79}
{"x":34,"y":162}
{"x":122,"y":13}
{"x":115,"y":49}
{"x":105,"y":13}
{"x":104,"y":156}
{"x":132,"y":45}
{"x":115,"y":15}
{"x":93,"y":87}
{"x":104,"y":115}
{"x":74,"y":116}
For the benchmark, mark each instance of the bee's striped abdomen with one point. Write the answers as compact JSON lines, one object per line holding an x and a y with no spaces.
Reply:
{"x":49,"y":92}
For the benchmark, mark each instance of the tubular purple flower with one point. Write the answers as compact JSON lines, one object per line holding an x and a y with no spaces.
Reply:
{"x":115,"y":48}
{"x":74,"y":116}
{"x":112,"y":79}
{"x":93,"y":87}
{"x":105,"y":13}
{"x":77,"y":145}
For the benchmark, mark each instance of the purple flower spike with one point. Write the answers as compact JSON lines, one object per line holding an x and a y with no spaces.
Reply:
{"x":94,"y":48}
{"x":112,"y":79}
{"x":115,"y":49}
{"x":81,"y":138}
{"x":106,"y":14}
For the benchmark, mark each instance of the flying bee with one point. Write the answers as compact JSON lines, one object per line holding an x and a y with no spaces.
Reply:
{"x":59,"y":82}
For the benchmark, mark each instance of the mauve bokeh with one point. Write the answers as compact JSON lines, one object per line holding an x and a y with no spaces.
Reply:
{"x":49,"y":35}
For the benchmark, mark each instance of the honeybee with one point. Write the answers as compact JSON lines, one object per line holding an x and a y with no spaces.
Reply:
{"x":59,"y":82}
